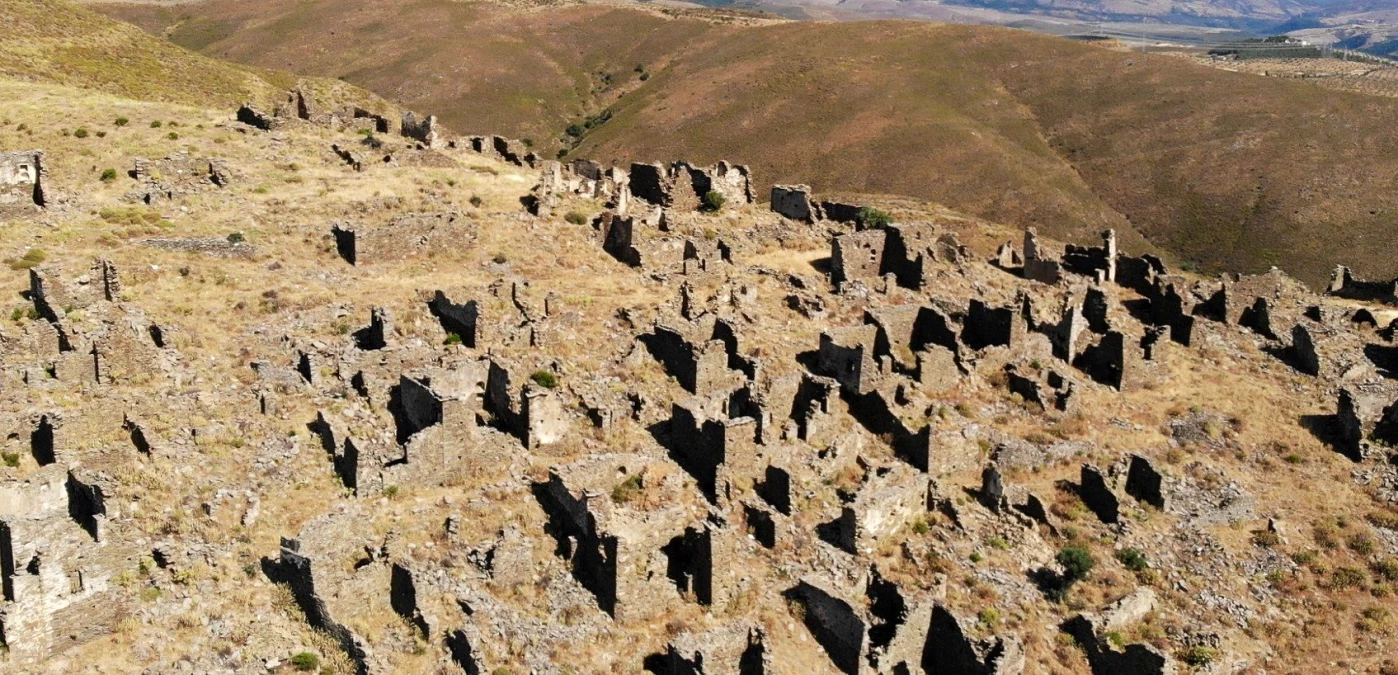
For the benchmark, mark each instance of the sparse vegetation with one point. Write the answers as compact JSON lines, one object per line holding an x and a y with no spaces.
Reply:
{"x":713,"y":201}
{"x":305,"y":662}
{"x":627,"y":490}
{"x":545,"y":379}
{"x":1132,"y":559}
{"x":1077,"y":563}
{"x":872,"y":217}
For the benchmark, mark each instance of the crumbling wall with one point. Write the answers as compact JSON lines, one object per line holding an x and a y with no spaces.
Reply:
{"x":22,"y":178}
{"x":835,"y":624}
{"x":424,"y":131}
{"x":857,"y":256}
{"x":794,"y":202}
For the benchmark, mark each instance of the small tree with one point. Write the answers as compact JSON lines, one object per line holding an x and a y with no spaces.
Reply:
{"x":714,"y":200}
{"x":1077,"y":563}
{"x":544,"y":379}
{"x":1132,"y":559}
{"x":108,"y":175}
{"x":872,"y":217}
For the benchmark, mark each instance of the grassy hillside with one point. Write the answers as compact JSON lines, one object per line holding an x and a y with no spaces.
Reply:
{"x":54,"y":42}
{"x":480,"y":67}
{"x":1227,"y":170}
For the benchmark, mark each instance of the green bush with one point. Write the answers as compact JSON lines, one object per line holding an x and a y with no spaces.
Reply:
{"x":121,"y":121}
{"x":305,"y":662}
{"x":1077,"y":563}
{"x":155,"y":125}
{"x":173,"y":136}
{"x":713,"y":200}
{"x":237,"y":238}
{"x":1198,"y":656}
{"x":544,"y":379}
{"x":1346,"y":577}
{"x":576,"y":218}
{"x":872,"y":217}
{"x":108,"y":175}
{"x":11,"y":459}
{"x":476,"y":201}
{"x":80,"y":133}
{"x":1132,"y":559}
{"x":452,"y":339}
{"x":31,"y":258}
{"x":628,"y":489}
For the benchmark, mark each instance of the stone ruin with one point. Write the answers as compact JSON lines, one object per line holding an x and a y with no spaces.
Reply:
{"x":176,"y":176}
{"x":796,"y":202}
{"x":424,"y":131}
{"x":22,"y":176}
{"x":682,"y":186}
{"x":403,"y":237}
{"x":1343,"y":284}
{"x":902,"y":255}
{"x":579,"y":178}
{"x":736,"y":443}
{"x":300,"y":105}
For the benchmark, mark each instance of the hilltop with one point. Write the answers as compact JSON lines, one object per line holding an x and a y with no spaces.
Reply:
{"x":315,"y":385}
{"x":1222,"y":170}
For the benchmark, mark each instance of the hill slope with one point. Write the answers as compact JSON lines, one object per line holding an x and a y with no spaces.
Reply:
{"x":1228,"y":170}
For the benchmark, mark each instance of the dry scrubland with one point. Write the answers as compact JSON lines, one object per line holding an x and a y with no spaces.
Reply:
{"x":1219,"y":416}
{"x":225,"y":313}
{"x":1223,"y":170}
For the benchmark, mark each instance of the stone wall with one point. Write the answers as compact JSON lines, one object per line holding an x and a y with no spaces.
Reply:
{"x":22,"y":177}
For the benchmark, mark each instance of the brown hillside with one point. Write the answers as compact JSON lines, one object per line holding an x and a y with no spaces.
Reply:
{"x":480,"y":67}
{"x":1228,"y":170}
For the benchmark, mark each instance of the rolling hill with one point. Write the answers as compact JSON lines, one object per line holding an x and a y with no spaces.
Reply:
{"x":1225,"y":170}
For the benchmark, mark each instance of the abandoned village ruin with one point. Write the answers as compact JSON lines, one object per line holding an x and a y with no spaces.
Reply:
{"x":738,"y":423}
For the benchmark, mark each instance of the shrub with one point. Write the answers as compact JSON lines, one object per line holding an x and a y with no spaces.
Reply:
{"x":1198,"y":656}
{"x":1132,"y":559}
{"x":1361,"y":543}
{"x":236,"y":238}
{"x":576,"y":218}
{"x":108,"y":175}
{"x":713,"y":200}
{"x":452,"y":339}
{"x":305,"y":662}
{"x":989,"y":616}
{"x":997,"y":543}
{"x":11,"y":459}
{"x":173,"y":136}
{"x":544,"y":379}
{"x":121,"y":121}
{"x":1265,"y":538}
{"x":872,"y":217}
{"x":31,"y":258}
{"x":80,"y":133}
{"x":391,"y":491}
{"x":476,"y":201}
{"x":628,"y":489}
{"x":1387,"y":569}
{"x":1346,"y":577}
{"x":1077,"y":562}
{"x":155,"y":124}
